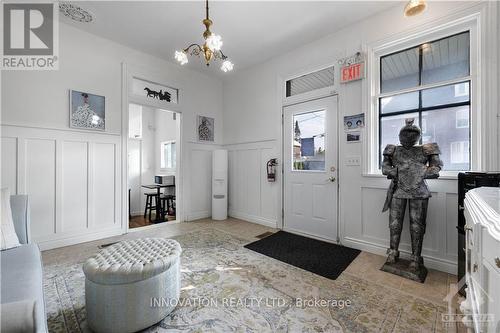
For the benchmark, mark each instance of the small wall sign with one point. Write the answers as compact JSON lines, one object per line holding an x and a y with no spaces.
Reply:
{"x":352,"y":68}
{"x":352,"y":72}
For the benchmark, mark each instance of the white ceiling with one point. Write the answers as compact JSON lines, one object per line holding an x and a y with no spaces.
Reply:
{"x":252,"y":31}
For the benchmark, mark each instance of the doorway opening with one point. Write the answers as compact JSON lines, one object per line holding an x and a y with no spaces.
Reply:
{"x":153,"y":166}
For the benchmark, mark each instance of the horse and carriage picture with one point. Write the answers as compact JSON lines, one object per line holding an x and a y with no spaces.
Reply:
{"x":161,"y":95}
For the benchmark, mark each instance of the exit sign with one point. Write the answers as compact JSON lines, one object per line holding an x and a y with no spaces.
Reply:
{"x":352,"y":72}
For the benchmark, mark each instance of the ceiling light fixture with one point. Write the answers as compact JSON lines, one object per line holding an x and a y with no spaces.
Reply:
{"x":76,"y":13}
{"x":415,"y":7}
{"x":211,"y":49}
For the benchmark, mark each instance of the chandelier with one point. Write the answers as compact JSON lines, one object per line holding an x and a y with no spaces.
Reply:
{"x":210,"y":50}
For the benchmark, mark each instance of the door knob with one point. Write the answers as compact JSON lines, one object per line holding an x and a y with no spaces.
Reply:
{"x":332,"y":179}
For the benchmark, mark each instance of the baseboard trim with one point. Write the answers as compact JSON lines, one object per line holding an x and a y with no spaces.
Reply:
{"x":197,"y":215}
{"x":431,"y":262}
{"x":254,"y":219}
{"x":56,"y":243}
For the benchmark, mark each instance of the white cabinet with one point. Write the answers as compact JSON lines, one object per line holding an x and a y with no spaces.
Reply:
{"x":482,"y":212}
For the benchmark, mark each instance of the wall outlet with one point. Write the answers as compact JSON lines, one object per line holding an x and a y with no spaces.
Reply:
{"x":353,"y":160}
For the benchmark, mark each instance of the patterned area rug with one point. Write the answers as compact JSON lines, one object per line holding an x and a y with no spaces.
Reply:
{"x":227,"y":288}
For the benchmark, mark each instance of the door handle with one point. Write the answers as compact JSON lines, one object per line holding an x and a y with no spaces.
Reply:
{"x":332,"y":179}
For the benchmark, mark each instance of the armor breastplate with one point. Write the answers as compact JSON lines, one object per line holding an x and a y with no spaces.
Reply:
{"x":411,"y":164}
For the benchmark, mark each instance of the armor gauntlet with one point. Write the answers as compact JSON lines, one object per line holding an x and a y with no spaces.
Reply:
{"x":388,"y":168}
{"x":431,"y":150}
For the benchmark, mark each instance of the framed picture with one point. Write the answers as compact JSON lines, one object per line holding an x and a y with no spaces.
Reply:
{"x":352,"y":137}
{"x":87,"y":111}
{"x":205,"y":128}
{"x":354,"y":122}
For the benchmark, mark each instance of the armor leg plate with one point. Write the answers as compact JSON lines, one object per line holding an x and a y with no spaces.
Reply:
{"x":418,"y":214}
{"x":396,"y":217}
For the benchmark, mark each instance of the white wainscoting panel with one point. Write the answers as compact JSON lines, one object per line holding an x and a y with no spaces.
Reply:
{"x":40,"y":183}
{"x":9,"y":164}
{"x":251,"y":196}
{"x":71,"y":178}
{"x":370,"y":232}
{"x":200,"y":181}
{"x":74,"y":186}
{"x":104,"y":188}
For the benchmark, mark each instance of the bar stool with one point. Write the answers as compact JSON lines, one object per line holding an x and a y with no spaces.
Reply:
{"x":149,"y":204}
{"x":167,"y":203}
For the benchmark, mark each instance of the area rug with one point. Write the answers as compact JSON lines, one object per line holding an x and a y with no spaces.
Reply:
{"x":322,"y":258}
{"x":227,"y":288}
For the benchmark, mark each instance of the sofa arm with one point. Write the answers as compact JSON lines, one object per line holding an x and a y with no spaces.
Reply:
{"x":21,"y":217}
{"x":18,"y":316}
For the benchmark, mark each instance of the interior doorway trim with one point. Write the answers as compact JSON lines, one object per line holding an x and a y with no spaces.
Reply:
{"x":129,"y":72}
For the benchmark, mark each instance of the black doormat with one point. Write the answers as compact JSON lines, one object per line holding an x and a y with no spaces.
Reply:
{"x":322,"y":258}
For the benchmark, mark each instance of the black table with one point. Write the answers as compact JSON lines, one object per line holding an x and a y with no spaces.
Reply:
{"x":158,"y":187}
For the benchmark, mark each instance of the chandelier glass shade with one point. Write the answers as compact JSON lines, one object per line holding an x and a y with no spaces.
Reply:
{"x":210,"y":50}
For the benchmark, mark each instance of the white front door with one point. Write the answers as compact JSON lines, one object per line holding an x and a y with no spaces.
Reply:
{"x":310,"y":168}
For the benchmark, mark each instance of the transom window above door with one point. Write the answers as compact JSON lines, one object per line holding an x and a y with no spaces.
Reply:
{"x":431,"y":83}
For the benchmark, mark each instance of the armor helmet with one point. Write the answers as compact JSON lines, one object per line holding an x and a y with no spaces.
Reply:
{"x":409,"y":134}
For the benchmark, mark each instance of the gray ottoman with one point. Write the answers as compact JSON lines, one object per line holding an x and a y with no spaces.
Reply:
{"x":132,"y":285}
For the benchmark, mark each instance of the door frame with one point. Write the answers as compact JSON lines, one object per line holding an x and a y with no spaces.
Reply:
{"x":129,"y":72}
{"x":309,"y":97}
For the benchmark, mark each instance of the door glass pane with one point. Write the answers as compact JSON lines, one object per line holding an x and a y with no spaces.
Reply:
{"x":308,"y":141}
{"x":453,"y":93}
{"x":445,"y":59}
{"x":390,"y":127}
{"x":449,"y":128}
{"x":401,"y":102}
{"x":399,"y":70}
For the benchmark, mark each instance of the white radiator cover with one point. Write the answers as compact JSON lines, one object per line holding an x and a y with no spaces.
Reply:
{"x":219,"y":184}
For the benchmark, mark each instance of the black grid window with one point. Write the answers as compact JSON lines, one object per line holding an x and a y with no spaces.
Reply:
{"x":429,"y":82}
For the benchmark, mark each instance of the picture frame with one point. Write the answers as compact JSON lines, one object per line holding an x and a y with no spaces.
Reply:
{"x":354,"y":122}
{"x":87,"y":111}
{"x":205,"y":129}
{"x":353,"y":137}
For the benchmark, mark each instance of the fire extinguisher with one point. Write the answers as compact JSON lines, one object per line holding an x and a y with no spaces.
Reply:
{"x":271,"y":169}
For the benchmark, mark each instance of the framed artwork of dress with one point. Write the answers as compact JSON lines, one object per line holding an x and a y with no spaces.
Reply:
{"x":205,"y":129}
{"x":87,"y":111}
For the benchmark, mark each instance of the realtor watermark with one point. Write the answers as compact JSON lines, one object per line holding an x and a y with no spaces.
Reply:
{"x":30,"y":39}
{"x":251,"y":302}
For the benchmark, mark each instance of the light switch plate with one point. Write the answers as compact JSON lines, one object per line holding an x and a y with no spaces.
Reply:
{"x":354,"y":160}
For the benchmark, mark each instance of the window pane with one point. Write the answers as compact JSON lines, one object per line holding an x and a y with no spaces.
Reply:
{"x":454,"y":93}
{"x":309,"y":141}
{"x":389,"y":129}
{"x":399,"y":71}
{"x":402,"y":102}
{"x":445,"y":59}
{"x":450,"y":129}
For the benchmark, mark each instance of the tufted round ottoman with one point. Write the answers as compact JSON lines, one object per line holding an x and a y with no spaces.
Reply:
{"x":132,"y":285}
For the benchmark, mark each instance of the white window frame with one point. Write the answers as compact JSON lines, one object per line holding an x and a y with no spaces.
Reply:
{"x":162,"y":155}
{"x":371,"y":86}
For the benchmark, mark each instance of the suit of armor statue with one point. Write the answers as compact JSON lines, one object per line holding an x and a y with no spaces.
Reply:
{"x":408,"y":165}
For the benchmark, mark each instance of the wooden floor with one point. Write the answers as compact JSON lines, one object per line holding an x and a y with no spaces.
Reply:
{"x":139,"y":221}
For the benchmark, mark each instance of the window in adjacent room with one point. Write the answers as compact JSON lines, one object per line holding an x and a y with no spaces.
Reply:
{"x":431,"y":83}
{"x":167,"y":155}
